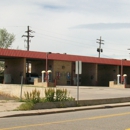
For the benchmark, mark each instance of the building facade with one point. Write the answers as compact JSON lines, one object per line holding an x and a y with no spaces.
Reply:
{"x":95,"y":71}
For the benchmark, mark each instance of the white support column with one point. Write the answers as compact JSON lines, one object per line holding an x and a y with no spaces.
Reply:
{"x":125,"y":76}
{"x":118,"y":79}
{"x":43,"y":75}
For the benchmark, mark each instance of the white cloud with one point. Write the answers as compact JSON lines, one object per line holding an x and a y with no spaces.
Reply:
{"x":100,"y":26}
{"x":52,"y":21}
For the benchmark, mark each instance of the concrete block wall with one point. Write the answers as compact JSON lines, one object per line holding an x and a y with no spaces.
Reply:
{"x":38,"y":82}
{"x":113,"y":85}
{"x":15,"y":90}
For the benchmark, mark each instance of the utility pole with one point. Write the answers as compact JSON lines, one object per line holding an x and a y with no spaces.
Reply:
{"x":28,"y":40}
{"x":28,"y":36}
{"x":128,"y":49}
{"x":100,"y":49}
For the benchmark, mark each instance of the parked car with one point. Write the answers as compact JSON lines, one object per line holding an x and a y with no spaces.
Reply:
{"x":30,"y":77}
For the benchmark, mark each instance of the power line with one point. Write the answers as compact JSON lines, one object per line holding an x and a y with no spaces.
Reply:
{"x":61,"y":38}
{"x":99,"y":49}
{"x":67,"y":41}
{"x":28,"y":36}
{"x":88,"y":44}
{"x":63,"y":35}
{"x":80,"y":44}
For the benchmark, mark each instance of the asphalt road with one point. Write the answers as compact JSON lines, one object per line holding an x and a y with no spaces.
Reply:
{"x":100,"y":119}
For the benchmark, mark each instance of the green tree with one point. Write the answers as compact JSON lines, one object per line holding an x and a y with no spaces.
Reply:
{"x":6,"y":39}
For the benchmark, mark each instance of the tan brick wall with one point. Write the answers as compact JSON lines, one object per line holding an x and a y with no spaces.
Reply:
{"x":63,"y":67}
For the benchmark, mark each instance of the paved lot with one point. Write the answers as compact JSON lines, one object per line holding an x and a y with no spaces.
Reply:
{"x":90,"y":92}
{"x":8,"y":105}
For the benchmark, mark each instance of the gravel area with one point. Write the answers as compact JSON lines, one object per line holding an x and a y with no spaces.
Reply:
{"x":8,"y":103}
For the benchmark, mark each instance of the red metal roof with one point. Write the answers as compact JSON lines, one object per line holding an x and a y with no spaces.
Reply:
{"x":56,"y":56}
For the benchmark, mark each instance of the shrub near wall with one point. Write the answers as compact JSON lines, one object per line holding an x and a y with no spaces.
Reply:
{"x":57,"y":95}
{"x":53,"y":99}
{"x":58,"y":98}
{"x":33,"y":96}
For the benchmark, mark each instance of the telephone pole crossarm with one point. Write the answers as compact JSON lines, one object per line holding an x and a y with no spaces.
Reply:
{"x":100,"y":41}
{"x":28,"y":36}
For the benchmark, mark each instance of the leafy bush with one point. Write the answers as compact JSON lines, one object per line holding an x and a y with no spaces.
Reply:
{"x":33,"y":96}
{"x":59,"y":95}
{"x":49,"y":94}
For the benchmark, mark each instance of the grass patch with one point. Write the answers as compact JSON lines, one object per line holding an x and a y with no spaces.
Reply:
{"x":26,"y":106}
{"x":5,"y":96}
{"x":3,"y":101}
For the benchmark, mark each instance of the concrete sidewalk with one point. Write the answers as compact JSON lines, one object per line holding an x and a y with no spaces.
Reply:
{"x":59,"y":110}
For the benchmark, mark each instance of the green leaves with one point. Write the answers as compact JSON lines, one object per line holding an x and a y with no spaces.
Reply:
{"x":6,"y":39}
{"x":61,"y":94}
{"x":57,"y":95}
{"x":33,"y":96}
{"x":49,"y":94}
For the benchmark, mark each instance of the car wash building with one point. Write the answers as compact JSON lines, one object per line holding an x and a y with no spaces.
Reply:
{"x":95,"y":71}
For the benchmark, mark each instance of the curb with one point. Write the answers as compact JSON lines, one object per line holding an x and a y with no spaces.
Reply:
{"x":63,"y":110}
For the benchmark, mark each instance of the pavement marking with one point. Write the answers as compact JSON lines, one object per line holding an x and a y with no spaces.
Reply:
{"x":108,"y":116}
{"x":65,"y":121}
{"x":48,"y":123}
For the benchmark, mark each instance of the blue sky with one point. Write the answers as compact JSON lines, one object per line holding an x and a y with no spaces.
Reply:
{"x":70,"y":26}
